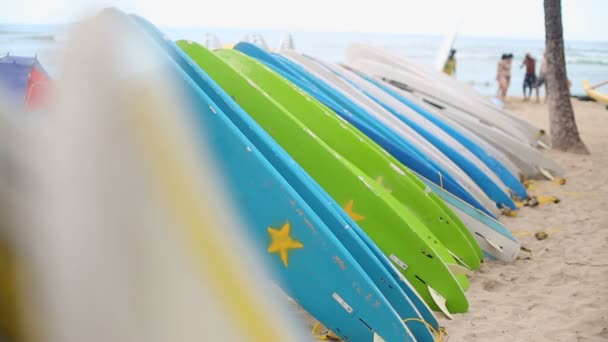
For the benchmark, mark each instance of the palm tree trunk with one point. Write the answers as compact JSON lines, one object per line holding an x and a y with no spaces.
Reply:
{"x":564,"y":133}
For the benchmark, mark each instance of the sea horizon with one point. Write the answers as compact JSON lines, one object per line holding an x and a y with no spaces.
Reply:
{"x":477,"y":55}
{"x":308,"y":30}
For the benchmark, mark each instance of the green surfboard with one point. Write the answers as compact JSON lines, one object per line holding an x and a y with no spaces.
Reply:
{"x":371,"y":159}
{"x":398,"y":233}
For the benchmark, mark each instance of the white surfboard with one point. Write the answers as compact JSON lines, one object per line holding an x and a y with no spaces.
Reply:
{"x":444,"y":50}
{"x":432,"y":83}
{"x":398,"y":126}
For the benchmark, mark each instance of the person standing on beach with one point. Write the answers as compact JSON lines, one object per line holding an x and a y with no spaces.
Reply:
{"x":503,"y":75}
{"x":530,"y":77}
{"x":450,"y":64}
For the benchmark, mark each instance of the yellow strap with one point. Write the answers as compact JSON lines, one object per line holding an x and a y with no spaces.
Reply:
{"x":546,"y":199}
{"x":328,"y":335}
{"x":530,"y":183}
{"x":438,"y":334}
{"x":527,"y":250}
{"x":508,"y":212}
{"x":559,"y":180}
{"x":536,"y":201}
{"x":549,"y":230}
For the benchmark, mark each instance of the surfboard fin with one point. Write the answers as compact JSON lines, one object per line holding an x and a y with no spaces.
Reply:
{"x":546,"y":173}
{"x":440,"y":301}
{"x":460,"y":261}
{"x":322,"y":333}
{"x":493,"y":244}
{"x":459,"y":269}
{"x":543,"y":145}
{"x":378,"y":338}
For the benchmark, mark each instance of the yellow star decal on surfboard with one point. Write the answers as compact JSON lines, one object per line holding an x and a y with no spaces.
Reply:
{"x":282,"y":242}
{"x":348,"y":208}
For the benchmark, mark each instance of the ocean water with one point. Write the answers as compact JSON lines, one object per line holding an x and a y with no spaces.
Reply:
{"x":477,"y":57}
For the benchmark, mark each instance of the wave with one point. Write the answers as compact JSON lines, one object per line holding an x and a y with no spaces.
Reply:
{"x":579,"y":60}
{"x":575,"y":58}
{"x":17,"y":37}
{"x":49,"y":37}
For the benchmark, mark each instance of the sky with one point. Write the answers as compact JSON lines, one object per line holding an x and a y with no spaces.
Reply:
{"x":582,"y":19}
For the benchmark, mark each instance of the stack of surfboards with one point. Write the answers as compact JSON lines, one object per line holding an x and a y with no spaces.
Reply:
{"x":462,"y":106}
{"x":394,"y":200}
{"x":115,"y":224}
{"x":371,"y":190}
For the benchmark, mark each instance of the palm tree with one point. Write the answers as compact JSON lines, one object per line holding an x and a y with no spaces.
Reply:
{"x":564,"y":133}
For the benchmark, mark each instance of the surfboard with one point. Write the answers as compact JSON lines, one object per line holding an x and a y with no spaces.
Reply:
{"x":440,"y":87}
{"x":348,"y":186}
{"x":444,"y":51}
{"x":461,"y":168}
{"x":440,"y":189}
{"x":515,"y":145}
{"x":303,"y":252}
{"x":344,"y":229}
{"x":496,"y":241}
{"x":406,"y":153}
{"x":419,"y":117}
{"x":493,"y":158}
{"x":116,"y":228}
{"x":593,"y":93}
{"x":375,"y":119}
{"x":368,"y":157}
{"x":528,"y":160}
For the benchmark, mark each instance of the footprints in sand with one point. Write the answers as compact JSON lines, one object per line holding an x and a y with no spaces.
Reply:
{"x":490,"y":285}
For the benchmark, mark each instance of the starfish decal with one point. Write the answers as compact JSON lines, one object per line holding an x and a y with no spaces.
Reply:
{"x":348,"y":208}
{"x":282,"y":242}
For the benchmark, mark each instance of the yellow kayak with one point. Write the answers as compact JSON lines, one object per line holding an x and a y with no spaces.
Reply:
{"x":593,"y":93}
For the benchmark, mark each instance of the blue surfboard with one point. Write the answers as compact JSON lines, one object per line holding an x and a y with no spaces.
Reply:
{"x":480,"y":178}
{"x":395,"y":290}
{"x":504,"y":248}
{"x":492,"y":189}
{"x":499,"y":169}
{"x":406,"y":153}
{"x":312,"y":264}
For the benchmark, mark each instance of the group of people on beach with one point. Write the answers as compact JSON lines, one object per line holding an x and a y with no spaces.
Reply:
{"x":503,"y":74}
{"x":531,"y":81}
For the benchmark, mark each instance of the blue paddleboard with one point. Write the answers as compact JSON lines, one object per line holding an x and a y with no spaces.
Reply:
{"x":313,"y":266}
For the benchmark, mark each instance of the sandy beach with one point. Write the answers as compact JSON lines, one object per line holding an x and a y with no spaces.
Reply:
{"x":559,"y":292}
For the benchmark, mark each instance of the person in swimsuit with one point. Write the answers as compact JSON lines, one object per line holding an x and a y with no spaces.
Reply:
{"x":503,"y":75}
{"x":530,"y":77}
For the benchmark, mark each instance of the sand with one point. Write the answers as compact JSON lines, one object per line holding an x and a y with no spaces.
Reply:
{"x":560,"y":291}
